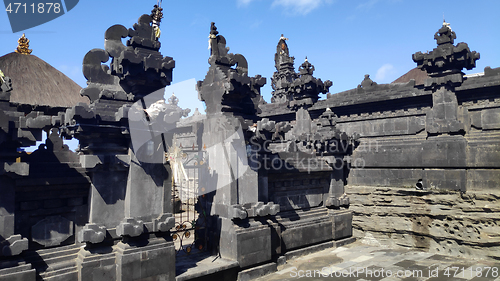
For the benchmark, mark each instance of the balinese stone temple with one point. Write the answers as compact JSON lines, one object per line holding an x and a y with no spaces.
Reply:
{"x":230,"y":195}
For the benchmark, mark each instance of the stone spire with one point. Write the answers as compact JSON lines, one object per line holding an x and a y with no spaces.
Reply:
{"x":285,"y":73}
{"x":307,"y":88}
{"x":298,"y":89}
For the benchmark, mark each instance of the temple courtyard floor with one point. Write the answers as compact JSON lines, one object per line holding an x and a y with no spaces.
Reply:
{"x":358,"y":261}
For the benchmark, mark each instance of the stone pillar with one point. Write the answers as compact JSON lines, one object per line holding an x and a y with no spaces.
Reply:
{"x":13,"y":134}
{"x":446,"y":122}
{"x":239,"y":224}
{"x":141,"y":255}
{"x":108,"y":175}
{"x":336,"y":194}
{"x":11,"y":245}
{"x":338,"y":202}
{"x":241,"y":234}
{"x":130,"y":216}
{"x":147,"y":199}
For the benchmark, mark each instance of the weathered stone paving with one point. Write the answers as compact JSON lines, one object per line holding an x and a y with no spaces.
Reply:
{"x":361,"y":261}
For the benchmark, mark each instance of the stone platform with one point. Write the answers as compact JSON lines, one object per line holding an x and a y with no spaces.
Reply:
{"x":359,"y":260}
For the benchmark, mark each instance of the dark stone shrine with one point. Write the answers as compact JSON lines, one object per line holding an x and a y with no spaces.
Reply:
{"x":150,"y":195}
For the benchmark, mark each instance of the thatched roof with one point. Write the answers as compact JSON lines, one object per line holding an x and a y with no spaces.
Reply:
{"x":417,"y":74}
{"x":37,"y":83}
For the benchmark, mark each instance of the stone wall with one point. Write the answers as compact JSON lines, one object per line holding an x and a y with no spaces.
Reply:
{"x":398,"y":146}
{"x":439,"y":221}
{"x":443,"y":135}
{"x":49,"y":211}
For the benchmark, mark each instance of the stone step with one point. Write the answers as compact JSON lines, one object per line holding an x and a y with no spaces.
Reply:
{"x":256,"y":272}
{"x":203,"y":266}
{"x":42,"y":265}
{"x":305,"y":218}
{"x":59,"y":267}
{"x":292,"y":215}
{"x":57,"y":263}
{"x":56,"y":252}
{"x":62,"y":276}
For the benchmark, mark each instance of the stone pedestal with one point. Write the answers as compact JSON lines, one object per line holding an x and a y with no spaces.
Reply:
{"x":249,"y":243}
{"x":96,"y":264}
{"x":342,"y":223}
{"x":154,"y":261}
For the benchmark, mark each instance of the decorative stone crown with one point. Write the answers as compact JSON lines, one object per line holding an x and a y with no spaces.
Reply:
{"x":299,"y":89}
{"x":445,"y":63}
{"x":227,"y":87}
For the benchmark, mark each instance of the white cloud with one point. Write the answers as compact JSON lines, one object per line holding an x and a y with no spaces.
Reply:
{"x":384,"y":73}
{"x":300,"y":6}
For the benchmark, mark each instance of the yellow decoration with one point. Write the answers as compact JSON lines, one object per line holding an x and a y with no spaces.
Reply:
{"x":2,"y":78}
{"x":157,"y":32}
{"x":24,"y":44}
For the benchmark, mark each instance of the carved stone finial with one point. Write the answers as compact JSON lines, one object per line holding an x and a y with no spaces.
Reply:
{"x":156,"y":15}
{"x":23,"y":47}
{"x":445,"y":63}
{"x":227,"y":87}
{"x":445,"y":35}
{"x":213,"y":30}
{"x":306,"y":68}
{"x":367,"y":82}
{"x":173,"y":100}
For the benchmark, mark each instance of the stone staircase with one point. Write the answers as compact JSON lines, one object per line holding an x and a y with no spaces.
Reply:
{"x":57,"y":264}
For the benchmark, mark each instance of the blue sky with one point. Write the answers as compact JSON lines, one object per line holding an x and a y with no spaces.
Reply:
{"x":343,"y":39}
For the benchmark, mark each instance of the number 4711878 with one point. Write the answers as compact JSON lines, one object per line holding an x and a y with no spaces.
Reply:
{"x":39,"y":8}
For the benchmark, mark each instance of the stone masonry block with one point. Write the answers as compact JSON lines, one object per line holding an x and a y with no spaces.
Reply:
{"x":92,"y":233}
{"x":130,"y":227}
{"x":490,"y":118}
{"x":445,"y":179}
{"x":13,"y":246}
